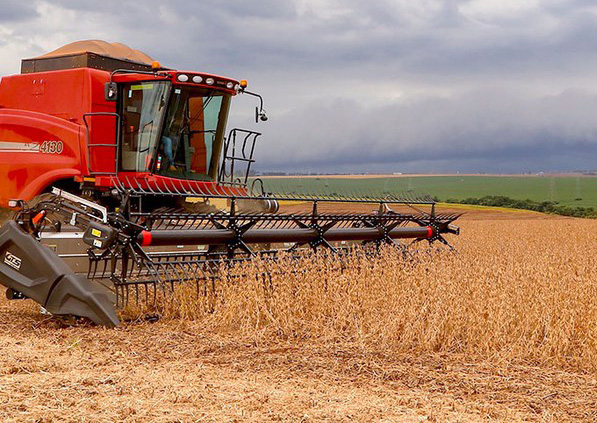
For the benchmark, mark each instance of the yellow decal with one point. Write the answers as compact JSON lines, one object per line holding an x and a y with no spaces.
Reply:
{"x":96,"y":233}
{"x":142,"y":87}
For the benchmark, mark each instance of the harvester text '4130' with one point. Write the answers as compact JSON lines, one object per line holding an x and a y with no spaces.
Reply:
{"x":124,"y":181}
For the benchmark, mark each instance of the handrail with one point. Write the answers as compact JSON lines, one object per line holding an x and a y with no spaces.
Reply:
{"x":231,"y":156}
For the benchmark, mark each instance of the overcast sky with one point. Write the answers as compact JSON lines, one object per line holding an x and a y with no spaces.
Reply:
{"x":384,"y":85}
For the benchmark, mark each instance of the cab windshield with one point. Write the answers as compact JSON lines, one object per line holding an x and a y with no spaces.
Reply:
{"x":143,"y":109}
{"x":193,"y":133}
{"x":173,"y":131}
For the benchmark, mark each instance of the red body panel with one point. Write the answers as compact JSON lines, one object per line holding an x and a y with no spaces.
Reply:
{"x":25,"y":169}
{"x":43,"y":137}
{"x":48,"y":107}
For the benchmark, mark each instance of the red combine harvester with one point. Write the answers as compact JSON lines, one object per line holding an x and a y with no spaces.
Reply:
{"x":110,"y":161}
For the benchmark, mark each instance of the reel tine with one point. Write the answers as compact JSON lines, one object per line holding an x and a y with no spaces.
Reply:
{"x":119,"y":299}
{"x":146,"y":287}
{"x":178,"y":268}
{"x":125,"y":294}
{"x":117,"y":293}
{"x":154,"y":278}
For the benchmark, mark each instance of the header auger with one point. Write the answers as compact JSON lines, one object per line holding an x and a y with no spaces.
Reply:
{"x":112,"y":188}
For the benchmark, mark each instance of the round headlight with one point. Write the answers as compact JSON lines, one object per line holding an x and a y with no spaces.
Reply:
{"x":197,"y":79}
{"x":182,"y":77}
{"x":209,"y":81}
{"x":230,"y":85}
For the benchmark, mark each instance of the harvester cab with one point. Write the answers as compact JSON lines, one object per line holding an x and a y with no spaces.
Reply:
{"x":110,"y":161}
{"x":94,"y":117}
{"x":171,"y":125}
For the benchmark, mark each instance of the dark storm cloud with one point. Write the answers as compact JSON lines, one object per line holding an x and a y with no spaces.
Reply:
{"x":419,"y":85}
{"x":12,"y":11}
{"x":481,"y":126}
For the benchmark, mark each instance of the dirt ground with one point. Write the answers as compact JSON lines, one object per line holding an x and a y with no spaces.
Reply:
{"x":171,"y":372}
{"x":177,"y":372}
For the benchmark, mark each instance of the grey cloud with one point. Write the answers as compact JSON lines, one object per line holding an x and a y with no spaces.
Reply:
{"x":17,"y":11}
{"x":386,"y":33}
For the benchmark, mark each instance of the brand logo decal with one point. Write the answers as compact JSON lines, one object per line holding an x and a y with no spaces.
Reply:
{"x":45,"y":147}
{"x":13,"y":261}
{"x":51,"y":147}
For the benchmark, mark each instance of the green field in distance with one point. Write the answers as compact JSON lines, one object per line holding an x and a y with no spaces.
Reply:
{"x":566,"y":190}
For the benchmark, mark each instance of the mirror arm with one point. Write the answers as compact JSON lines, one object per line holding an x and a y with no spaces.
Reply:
{"x":255,"y":95}
{"x":259,"y":112}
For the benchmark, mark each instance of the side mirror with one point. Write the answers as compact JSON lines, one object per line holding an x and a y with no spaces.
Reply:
{"x":111,"y":91}
{"x":260,"y":115}
{"x":259,"y":111}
